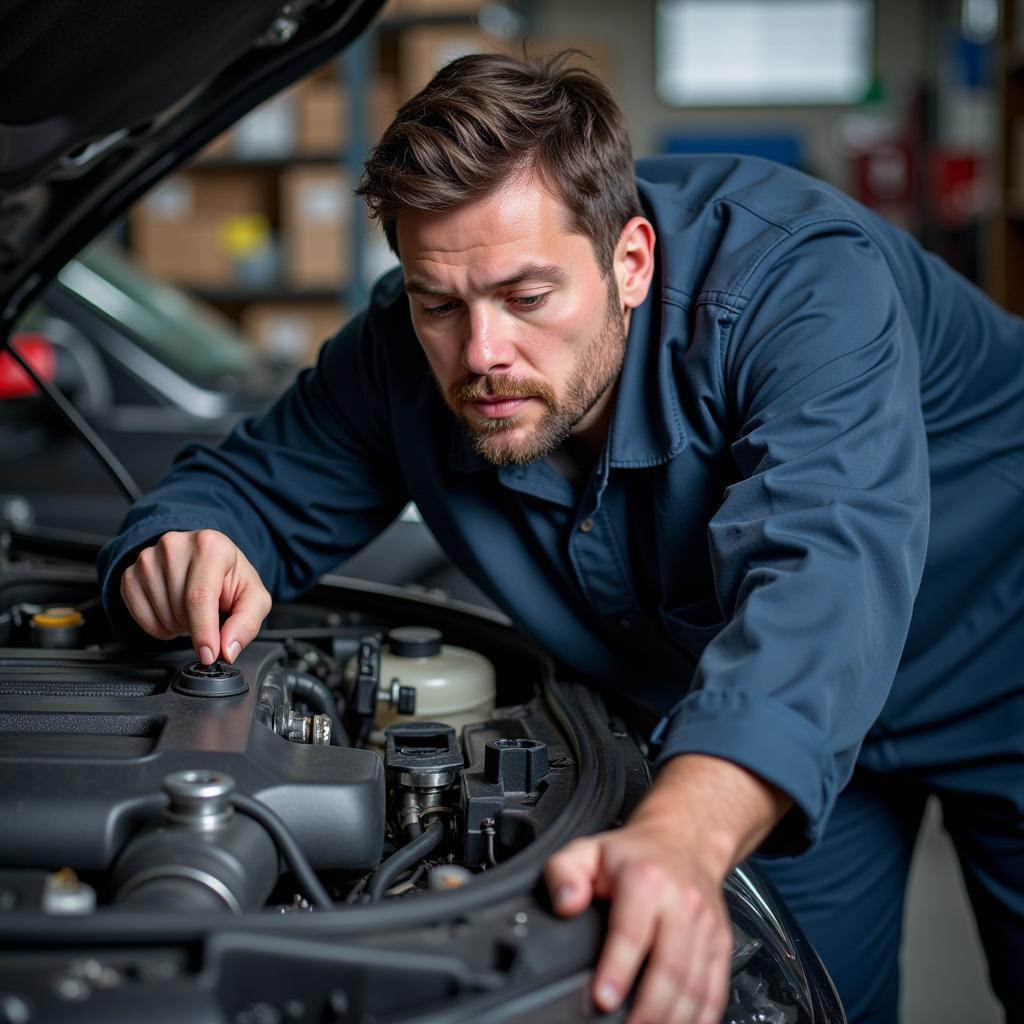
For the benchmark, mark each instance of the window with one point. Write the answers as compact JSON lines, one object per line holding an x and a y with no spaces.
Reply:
{"x":761,"y":52}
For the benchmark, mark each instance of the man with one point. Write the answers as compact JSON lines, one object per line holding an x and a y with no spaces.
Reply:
{"x":690,"y":439}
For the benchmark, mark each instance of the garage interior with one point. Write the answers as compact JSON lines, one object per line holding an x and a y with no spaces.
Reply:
{"x":919,"y":114}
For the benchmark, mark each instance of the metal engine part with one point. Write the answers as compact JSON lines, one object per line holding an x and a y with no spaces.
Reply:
{"x":82,"y":759}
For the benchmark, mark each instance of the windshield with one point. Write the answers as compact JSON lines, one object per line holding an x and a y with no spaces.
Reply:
{"x":188,"y":336}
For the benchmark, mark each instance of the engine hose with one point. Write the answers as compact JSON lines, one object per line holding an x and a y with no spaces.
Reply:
{"x":319,"y":697}
{"x":384,"y":877}
{"x":288,"y":848}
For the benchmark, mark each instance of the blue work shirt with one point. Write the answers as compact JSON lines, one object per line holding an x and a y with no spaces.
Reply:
{"x":804,"y":392}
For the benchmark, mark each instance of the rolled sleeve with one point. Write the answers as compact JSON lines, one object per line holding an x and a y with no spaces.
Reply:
{"x":818,"y":546}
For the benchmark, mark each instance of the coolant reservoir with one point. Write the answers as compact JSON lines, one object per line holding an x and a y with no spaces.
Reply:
{"x":452,"y":685}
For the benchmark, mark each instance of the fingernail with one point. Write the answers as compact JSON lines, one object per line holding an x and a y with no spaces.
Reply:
{"x":564,"y":896}
{"x":233,"y":648}
{"x":206,"y":655}
{"x":608,"y":995}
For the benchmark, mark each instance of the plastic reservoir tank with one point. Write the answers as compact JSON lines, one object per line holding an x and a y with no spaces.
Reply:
{"x":453,"y":685}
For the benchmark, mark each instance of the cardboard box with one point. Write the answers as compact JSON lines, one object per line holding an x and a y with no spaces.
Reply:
{"x":323,"y":114}
{"x":412,"y":8}
{"x":316,"y":210}
{"x":322,"y":119}
{"x":177,"y":230}
{"x":292,"y":331}
{"x":424,"y":50}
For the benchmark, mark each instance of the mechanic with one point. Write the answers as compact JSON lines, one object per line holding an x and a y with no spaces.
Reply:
{"x":699,"y":427}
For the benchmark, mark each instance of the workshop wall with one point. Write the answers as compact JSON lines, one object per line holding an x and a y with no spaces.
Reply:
{"x":904,"y":33}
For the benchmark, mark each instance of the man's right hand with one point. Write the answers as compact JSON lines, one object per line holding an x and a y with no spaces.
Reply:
{"x":184,"y":581}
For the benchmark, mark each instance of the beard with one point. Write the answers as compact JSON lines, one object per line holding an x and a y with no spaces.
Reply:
{"x":595,"y":371}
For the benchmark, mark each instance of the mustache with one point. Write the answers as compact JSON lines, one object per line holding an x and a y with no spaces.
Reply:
{"x":472,"y":389}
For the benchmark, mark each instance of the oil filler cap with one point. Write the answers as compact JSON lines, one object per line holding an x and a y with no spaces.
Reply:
{"x":415,"y":642}
{"x":216,"y":680}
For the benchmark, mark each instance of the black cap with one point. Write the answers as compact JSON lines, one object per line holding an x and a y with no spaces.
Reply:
{"x":216,"y":680}
{"x":415,"y":641}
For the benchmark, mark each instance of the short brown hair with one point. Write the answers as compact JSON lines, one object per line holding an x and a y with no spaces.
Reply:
{"x":485,"y":117}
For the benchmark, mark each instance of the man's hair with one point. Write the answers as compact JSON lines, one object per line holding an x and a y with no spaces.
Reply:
{"x":485,"y":118}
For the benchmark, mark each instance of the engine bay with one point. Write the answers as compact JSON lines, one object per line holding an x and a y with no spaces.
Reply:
{"x":345,"y":758}
{"x":369,"y":792}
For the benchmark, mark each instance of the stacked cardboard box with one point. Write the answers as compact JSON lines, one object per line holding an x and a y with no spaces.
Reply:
{"x":424,"y":49}
{"x":413,"y":8}
{"x":179,"y":231}
{"x":293,"y":331}
{"x":323,"y":114}
{"x":316,"y":210}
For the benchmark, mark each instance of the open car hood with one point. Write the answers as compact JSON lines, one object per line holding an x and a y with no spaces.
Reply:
{"x":100,"y":99}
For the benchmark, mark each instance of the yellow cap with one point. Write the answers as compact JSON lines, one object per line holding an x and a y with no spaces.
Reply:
{"x":57,"y":618}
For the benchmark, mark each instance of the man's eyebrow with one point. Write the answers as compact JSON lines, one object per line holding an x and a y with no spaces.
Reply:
{"x":529,"y":272}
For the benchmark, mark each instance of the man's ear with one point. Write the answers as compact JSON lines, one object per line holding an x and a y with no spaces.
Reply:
{"x":633,"y":263}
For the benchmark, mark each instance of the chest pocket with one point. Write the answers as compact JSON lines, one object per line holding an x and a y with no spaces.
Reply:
{"x":691,"y":627}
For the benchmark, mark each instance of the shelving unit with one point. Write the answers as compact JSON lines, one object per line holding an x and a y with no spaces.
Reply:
{"x":1006,"y":277}
{"x":263,"y":224}
{"x":236,"y":228}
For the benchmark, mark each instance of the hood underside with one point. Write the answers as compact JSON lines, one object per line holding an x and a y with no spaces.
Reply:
{"x":99,"y":99}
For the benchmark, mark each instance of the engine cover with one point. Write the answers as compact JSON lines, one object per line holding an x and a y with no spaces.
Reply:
{"x":86,"y":738}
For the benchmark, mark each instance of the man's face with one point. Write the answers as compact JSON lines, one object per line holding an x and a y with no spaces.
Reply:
{"x":523,"y":333}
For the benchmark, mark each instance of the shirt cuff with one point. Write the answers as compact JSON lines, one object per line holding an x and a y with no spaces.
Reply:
{"x":767,"y":738}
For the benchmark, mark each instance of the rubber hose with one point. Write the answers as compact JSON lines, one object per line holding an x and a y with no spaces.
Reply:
{"x":384,"y":877}
{"x":287,"y":847}
{"x":319,"y":697}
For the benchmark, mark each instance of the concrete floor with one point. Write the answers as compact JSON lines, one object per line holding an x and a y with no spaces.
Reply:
{"x":944,"y":974}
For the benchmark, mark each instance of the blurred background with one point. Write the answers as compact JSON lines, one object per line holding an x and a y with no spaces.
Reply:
{"x":227,"y":277}
{"x":915,"y":107}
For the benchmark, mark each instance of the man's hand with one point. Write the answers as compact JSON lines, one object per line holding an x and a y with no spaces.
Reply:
{"x":663,"y":872}
{"x":184,"y":581}
{"x":666,"y":906}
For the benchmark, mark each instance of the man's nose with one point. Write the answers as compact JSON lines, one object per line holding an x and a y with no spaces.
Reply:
{"x":486,"y":347}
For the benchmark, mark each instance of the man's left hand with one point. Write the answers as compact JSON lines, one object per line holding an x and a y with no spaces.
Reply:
{"x":663,"y":872}
{"x":666,"y":905}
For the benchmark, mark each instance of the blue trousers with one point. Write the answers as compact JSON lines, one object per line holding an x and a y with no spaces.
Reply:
{"x":848,"y":892}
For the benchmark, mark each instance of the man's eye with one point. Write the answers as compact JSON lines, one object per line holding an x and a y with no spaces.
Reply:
{"x":530,"y":301}
{"x":439,"y":311}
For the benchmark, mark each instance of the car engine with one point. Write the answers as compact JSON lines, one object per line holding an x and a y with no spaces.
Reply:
{"x":339,"y":759}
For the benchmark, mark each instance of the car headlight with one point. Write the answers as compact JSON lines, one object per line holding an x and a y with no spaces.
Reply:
{"x":777,"y":977}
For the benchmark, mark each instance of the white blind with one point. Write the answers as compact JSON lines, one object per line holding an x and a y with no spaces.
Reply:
{"x":763,"y":52}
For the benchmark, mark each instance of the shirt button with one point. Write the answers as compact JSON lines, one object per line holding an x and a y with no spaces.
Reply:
{"x":586,"y":526}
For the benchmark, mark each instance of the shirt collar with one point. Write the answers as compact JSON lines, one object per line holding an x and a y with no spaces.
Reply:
{"x":647,"y":421}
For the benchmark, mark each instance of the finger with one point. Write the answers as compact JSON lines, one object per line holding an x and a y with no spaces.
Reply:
{"x":636,"y":904}
{"x":718,"y":975}
{"x":660,"y":996}
{"x":201,"y":594}
{"x":570,"y":876}
{"x":172,"y":559}
{"x":701,"y":988}
{"x":150,"y":578}
{"x":248,"y":610}
{"x":139,"y":607}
